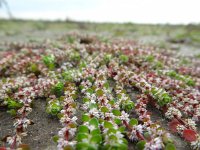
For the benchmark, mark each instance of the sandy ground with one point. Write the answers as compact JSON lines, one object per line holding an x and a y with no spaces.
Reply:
{"x":40,"y":133}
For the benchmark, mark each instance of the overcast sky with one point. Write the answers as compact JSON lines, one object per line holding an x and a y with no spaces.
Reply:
{"x":137,"y":11}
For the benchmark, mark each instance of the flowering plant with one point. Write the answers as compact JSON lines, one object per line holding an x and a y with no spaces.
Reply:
{"x":101,"y":94}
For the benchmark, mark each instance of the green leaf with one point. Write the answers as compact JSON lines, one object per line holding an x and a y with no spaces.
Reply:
{"x":140,"y":145}
{"x":49,"y":61}
{"x":58,"y":89}
{"x":72,"y":125}
{"x":123,"y":58}
{"x":95,"y":132}
{"x":13,"y":104}
{"x":82,"y":64}
{"x":170,"y":146}
{"x":124,"y":141}
{"x":81,"y":136}
{"x":190,"y":82}
{"x":94,"y":122}
{"x":34,"y":69}
{"x":97,"y":139}
{"x":55,"y":138}
{"x":133,"y":122}
{"x":150,"y":58}
{"x":108,"y":124}
{"x":90,"y":79}
{"x":107,"y":58}
{"x":99,"y":92}
{"x":147,"y":136}
{"x":117,"y":121}
{"x":83,"y":129}
{"x":112,"y":138}
{"x":112,"y":130}
{"x":85,"y":99}
{"x":85,"y":118}
{"x":104,"y":109}
{"x":106,"y":85}
{"x":119,"y":96}
{"x":112,"y":102}
{"x":93,"y":106}
{"x":153,"y":91}
{"x":122,"y":146}
{"x":82,"y":146}
{"x":90,"y":91}
{"x":74,"y":96}
{"x":165,"y":99}
{"x":158,"y":64}
{"x":54,"y":107}
{"x":75,"y":56}
{"x":116,"y":112}
{"x":67,"y":75}
{"x":172,"y":74}
{"x":81,"y":87}
{"x":12,"y":112}
{"x":122,"y":129}
{"x":128,"y":105}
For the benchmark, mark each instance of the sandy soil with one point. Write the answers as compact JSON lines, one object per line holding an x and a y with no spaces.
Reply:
{"x":40,"y":133}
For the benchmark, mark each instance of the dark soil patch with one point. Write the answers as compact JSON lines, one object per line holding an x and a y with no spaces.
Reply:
{"x":40,"y":133}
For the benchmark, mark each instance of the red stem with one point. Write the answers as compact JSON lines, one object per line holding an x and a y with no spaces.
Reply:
{"x":13,"y":144}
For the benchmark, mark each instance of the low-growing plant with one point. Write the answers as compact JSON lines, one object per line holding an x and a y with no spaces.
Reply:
{"x":49,"y":61}
{"x":123,"y":58}
{"x":101,"y":93}
{"x":53,"y":107}
{"x":183,"y":78}
{"x":58,"y":89}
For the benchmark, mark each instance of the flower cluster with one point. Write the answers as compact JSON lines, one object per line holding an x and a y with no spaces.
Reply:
{"x":67,"y":117}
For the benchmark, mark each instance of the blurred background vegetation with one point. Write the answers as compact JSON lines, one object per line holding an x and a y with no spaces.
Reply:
{"x":181,"y":38}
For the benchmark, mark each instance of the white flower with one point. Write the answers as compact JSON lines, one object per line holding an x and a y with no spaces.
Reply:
{"x":94,"y":112}
{"x":196,"y":144}
{"x":26,"y":122}
{"x":91,"y":127}
{"x":72,"y":131}
{"x":109,"y":115}
{"x":88,"y":94}
{"x":10,"y":140}
{"x":124,"y":116}
{"x":62,"y":132}
{"x":74,"y":119}
{"x":62,"y":111}
{"x":92,"y":101}
{"x":139,"y":128}
{"x":28,"y":110}
{"x":18,"y":140}
{"x":60,"y":144}
{"x":180,"y":128}
{"x":154,"y":144}
{"x":133,"y":136}
{"x":171,"y":112}
{"x":119,"y":135}
{"x":17,"y":122}
{"x":191,"y":123}
{"x":85,"y":106}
